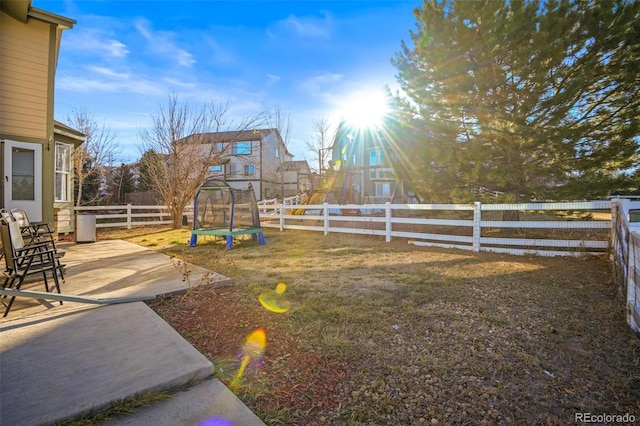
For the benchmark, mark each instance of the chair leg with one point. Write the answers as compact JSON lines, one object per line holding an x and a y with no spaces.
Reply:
{"x":46,"y":282}
{"x":6,"y":312}
{"x":59,"y":269}
{"x":54,"y":272}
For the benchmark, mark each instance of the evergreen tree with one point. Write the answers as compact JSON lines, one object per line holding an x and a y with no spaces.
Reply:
{"x":148,"y":161}
{"x":121,"y":183}
{"x":533,"y":99}
{"x":88,"y":191}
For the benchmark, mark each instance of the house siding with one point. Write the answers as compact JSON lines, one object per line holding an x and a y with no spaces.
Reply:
{"x":24,"y":78}
{"x":29,"y":42}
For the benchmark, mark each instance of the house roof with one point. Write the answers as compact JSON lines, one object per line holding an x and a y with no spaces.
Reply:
{"x":242,"y":135}
{"x":298,"y":165}
{"x":21,"y":10}
{"x":63,"y":129}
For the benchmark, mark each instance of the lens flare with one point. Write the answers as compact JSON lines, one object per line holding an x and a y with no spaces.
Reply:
{"x":251,"y":351}
{"x":216,"y":421}
{"x":274,"y":300}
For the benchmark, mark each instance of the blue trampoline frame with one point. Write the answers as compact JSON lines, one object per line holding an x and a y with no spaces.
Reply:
{"x":224,"y":231}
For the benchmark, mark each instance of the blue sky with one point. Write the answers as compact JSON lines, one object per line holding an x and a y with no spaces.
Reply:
{"x":123,"y":59}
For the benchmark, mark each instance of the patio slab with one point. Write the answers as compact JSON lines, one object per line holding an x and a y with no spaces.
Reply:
{"x":116,"y":268}
{"x":59,"y":362}
{"x":67,"y":362}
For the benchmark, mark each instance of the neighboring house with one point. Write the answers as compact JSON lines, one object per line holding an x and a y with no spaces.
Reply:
{"x":361,"y":161}
{"x":36,"y":166}
{"x":258,"y":157}
{"x":297,"y":177}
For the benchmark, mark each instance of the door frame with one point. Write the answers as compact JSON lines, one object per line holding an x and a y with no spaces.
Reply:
{"x":33,"y":207}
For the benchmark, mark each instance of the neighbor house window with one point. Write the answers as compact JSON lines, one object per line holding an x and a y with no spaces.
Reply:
{"x":241,"y":148}
{"x":376,"y":158}
{"x":63,"y":172}
{"x":216,"y":169}
{"x":233,"y":170}
{"x":383,"y":190}
{"x":249,"y":170}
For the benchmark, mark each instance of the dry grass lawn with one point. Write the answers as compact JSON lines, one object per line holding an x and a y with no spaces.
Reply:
{"x":392,"y":334}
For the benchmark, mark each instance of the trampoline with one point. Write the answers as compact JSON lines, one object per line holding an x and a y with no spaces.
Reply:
{"x":224,"y":211}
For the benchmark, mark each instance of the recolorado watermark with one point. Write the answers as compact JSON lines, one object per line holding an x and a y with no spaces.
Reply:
{"x":604,"y":418}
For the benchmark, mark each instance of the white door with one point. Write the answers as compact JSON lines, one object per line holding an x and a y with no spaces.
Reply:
{"x":23,"y":178}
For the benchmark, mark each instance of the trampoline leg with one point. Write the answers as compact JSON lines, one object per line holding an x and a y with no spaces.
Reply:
{"x":261,"y":238}
{"x":229,"y":241}
{"x":194,"y":239}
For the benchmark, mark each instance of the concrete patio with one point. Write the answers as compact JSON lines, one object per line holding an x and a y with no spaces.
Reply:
{"x":59,"y":362}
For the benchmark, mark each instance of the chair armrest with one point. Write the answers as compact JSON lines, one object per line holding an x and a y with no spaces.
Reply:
{"x":35,"y":247}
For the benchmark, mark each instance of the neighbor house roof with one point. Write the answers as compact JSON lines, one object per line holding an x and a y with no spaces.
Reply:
{"x":297,"y":165}
{"x":242,"y":135}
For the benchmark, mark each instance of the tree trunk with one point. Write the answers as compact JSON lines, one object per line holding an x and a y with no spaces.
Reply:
{"x":510,"y":216}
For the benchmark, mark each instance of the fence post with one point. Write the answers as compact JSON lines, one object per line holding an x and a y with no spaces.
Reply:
{"x":615,"y":208}
{"x":281,"y":217}
{"x":477,"y":217}
{"x":632,"y":306}
{"x":326,"y":218}
{"x":128,"y":216}
{"x":387,"y":221}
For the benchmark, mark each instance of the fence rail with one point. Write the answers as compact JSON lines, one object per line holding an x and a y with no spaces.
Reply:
{"x":547,"y":229}
{"x":130,"y":215}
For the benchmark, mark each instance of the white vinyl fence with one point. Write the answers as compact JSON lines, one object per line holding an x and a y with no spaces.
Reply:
{"x":130,"y":215}
{"x":625,"y":239}
{"x":543,"y":229}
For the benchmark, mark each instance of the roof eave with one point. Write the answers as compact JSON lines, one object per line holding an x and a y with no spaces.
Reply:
{"x":51,"y":18}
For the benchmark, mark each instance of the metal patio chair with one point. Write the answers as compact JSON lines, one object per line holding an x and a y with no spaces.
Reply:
{"x":37,"y":232}
{"x":23,"y":260}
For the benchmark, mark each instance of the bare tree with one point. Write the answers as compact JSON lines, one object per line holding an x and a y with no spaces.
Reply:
{"x":89,"y":158}
{"x":322,"y":140}
{"x":185,"y":137}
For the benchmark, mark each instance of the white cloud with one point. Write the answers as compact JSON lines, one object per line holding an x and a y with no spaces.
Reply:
{"x":95,"y":42}
{"x":105,"y":81}
{"x":272,"y":79}
{"x":162,"y":43}
{"x":107,"y":72}
{"x":177,"y":83}
{"x":317,"y":85}
{"x":307,"y":26}
{"x":219,"y":53}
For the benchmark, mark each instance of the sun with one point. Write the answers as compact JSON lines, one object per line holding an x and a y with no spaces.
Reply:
{"x":365,"y":109}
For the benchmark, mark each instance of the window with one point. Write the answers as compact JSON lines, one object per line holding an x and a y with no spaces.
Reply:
{"x":277,"y":152}
{"x":383,"y":190}
{"x":233,"y":169}
{"x":63,"y":172}
{"x":242,"y":148}
{"x":376,"y":158}
{"x":249,"y":170}
{"x":216,"y":169}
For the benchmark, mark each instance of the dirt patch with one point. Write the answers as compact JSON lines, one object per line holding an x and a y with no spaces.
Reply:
{"x":390,"y":333}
